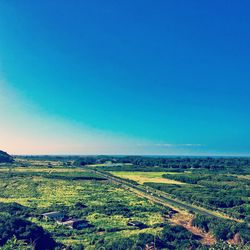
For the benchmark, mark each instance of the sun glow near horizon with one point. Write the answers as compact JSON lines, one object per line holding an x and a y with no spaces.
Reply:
{"x":27,"y":130}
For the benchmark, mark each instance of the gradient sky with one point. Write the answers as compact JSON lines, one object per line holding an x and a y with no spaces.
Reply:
{"x":125,"y":77}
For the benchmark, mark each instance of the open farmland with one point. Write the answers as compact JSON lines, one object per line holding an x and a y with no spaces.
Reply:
{"x":119,"y":207}
{"x":142,"y":177}
{"x":216,"y":185}
{"x":28,"y":192}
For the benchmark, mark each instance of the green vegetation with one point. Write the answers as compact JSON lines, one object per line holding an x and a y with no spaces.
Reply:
{"x":171,"y":237}
{"x":14,"y":223}
{"x":233,"y":165}
{"x":29,"y":192}
{"x":217,"y":184}
{"x":222,"y":192}
{"x":31,"y":186}
{"x":223,"y":229}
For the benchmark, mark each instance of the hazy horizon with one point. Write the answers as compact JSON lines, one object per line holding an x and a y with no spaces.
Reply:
{"x":125,"y":155}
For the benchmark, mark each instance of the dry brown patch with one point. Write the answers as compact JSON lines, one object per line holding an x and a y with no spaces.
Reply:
{"x":185,"y":220}
{"x":142,"y":177}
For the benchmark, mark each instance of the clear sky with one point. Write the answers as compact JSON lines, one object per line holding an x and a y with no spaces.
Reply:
{"x":125,"y":77}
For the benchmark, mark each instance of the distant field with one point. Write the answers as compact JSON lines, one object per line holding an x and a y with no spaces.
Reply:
{"x":142,"y":177}
{"x":244,"y":176}
{"x":47,"y":170}
{"x":110,"y":164}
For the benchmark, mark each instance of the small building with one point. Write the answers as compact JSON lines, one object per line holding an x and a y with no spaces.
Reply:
{"x":76,"y":224}
{"x":57,"y":216}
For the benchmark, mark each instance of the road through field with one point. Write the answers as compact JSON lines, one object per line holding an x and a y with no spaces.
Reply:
{"x":160,"y":197}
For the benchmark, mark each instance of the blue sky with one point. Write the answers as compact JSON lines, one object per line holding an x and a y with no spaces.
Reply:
{"x":125,"y":77}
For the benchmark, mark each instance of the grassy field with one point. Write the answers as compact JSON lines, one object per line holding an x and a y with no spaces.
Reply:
{"x":81,"y":193}
{"x":142,"y":177}
{"x":221,"y":192}
{"x":43,"y":170}
{"x":108,"y":207}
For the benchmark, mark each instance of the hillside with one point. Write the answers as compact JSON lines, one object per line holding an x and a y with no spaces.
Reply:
{"x":4,"y":157}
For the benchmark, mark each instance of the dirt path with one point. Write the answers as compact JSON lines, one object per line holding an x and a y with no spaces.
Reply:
{"x":186,"y":221}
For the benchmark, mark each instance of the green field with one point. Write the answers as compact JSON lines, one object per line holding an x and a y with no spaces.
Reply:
{"x":32,"y":186}
{"x":108,"y":207}
{"x":222,"y":192}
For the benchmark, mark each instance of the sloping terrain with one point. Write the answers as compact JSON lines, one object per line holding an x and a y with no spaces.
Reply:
{"x":5,"y":158}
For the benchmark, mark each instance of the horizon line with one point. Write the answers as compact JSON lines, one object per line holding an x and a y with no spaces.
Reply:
{"x":124,"y":155}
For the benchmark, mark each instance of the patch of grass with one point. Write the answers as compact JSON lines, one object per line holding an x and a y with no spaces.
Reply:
{"x":142,"y":177}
